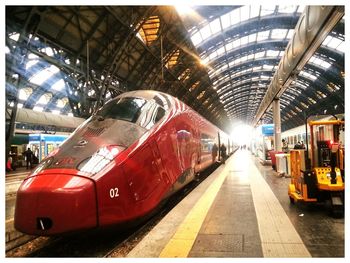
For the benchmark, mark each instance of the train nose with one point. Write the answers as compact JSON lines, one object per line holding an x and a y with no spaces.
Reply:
{"x":50,"y":204}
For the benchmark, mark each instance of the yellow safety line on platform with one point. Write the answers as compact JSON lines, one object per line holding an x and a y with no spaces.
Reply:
{"x":181,"y":243}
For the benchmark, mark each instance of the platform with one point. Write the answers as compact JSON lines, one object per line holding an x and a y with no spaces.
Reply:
{"x":243,"y":210}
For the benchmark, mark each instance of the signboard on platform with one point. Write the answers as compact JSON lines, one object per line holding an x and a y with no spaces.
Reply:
{"x":267,"y":129}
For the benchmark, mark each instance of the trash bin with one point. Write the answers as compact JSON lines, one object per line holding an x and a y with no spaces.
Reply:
{"x":273,"y":158}
{"x":282,"y":166}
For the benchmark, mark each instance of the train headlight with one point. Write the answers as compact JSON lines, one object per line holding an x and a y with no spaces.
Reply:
{"x":100,"y":159}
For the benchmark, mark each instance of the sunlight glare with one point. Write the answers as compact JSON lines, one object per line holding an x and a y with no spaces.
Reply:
{"x":242,"y":134}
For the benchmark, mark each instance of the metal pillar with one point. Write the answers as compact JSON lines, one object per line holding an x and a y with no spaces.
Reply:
{"x":277,"y":124}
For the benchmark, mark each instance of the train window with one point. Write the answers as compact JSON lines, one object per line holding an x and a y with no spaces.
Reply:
{"x":127,"y":109}
{"x":206,"y":142}
{"x":151,"y":114}
{"x":159,"y":115}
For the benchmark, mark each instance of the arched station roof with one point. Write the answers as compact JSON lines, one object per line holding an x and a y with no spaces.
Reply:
{"x":242,"y":47}
{"x":217,"y":59}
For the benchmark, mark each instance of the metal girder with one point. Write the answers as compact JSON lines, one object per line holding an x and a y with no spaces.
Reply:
{"x":312,"y":28}
{"x":314,"y":109}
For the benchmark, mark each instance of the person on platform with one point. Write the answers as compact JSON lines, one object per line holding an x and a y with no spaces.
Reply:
{"x":29,"y":158}
{"x":284,"y":145}
{"x":223,"y":153}
{"x":214,"y":152}
{"x":297,"y":145}
{"x":9,"y":165}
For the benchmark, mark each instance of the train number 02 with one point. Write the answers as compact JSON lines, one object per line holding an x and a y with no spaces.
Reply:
{"x":114,"y":192}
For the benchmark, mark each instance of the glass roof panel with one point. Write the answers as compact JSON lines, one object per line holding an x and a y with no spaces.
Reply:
{"x":307,"y":75}
{"x":25,"y":93}
{"x":290,"y":33}
{"x":320,"y":62}
{"x":254,"y":11}
{"x":196,"y":38}
{"x":205,"y":32}
{"x":260,"y":54}
{"x":58,"y":85}
{"x":300,"y":8}
{"x":262,"y":35}
{"x":252,"y":38}
{"x":215,"y":26}
{"x":286,"y":8}
{"x":14,"y":36}
{"x":44,"y":75}
{"x":341,"y":47}
{"x":31,"y":63}
{"x":267,"y":10}
{"x":244,"y":10}
{"x":61,"y":102}
{"x":221,"y":50}
{"x":278,"y":33}
{"x":45,"y":98}
{"x":244,"y":40}
{"x":225,"y":21}
{"x":235,"y":16}
{"x":334,"y":42}
{"x":272,"y":53}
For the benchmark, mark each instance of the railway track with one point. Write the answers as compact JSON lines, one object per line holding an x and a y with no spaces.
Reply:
{"x":101,"y":243}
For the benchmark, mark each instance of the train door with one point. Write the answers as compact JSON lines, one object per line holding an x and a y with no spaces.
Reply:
{"x":185,"y":143}
{"x":142,"y":172}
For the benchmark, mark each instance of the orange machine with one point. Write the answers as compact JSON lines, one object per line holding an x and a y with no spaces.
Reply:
{"x":318,"y":174}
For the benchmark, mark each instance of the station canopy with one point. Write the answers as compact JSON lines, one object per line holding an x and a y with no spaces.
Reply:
{"x":217,"y":59}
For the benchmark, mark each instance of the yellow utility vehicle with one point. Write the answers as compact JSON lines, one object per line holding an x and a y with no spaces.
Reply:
{"x":317,"y":173}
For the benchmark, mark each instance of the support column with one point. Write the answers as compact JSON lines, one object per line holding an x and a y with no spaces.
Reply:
{"x":277,"y":124}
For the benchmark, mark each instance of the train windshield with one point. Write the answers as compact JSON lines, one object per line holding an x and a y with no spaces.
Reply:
{"x":127,"y":109}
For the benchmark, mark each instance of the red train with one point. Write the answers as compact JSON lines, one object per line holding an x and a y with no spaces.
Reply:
{"x":117,"y":167}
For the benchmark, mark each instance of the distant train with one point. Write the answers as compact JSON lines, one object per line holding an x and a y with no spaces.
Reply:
{"x":298,"y":134}
{"x":118,"y":166}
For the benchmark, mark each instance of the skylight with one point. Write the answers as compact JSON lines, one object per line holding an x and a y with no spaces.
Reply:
{"x":196,"y":38}
{"x":262,"y":35}
{"x":215,"y":26}
{"x":61,"y":103}
{"x":58,"y":85}
{"x":320,"y":62}
{"x":44,"y":75}
{"x":45,"y":98}
{"x":307,"y":75}
{"x":205,"y":32}
{"x":278,"y":33}
{"x":31,"y":63}
{"x":334,"y":43}
{"x":14,"y":36}
{"x":25,"y":93}
{"x":286,"y":8}
{"x":267,"y":10}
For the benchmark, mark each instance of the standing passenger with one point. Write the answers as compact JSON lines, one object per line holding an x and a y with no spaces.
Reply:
{"x":223,"y":153}
{"x":214,"y":152}
{"x":29,"y":158}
